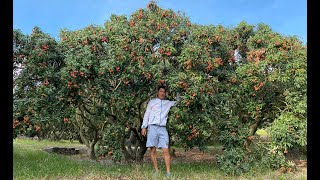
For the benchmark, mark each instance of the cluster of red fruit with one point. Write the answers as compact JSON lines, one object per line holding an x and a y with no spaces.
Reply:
{"x":75,"y":73}
{"x":219,"y":61}
{"x":72,"y":83}
{"x":183,"y":85}
{"x":194,"y":133}
{"x":16,"y":123}
{"x":45,"y":48}
{"x":258,"y":86}
{"x":65,"y":120}
{"x":209,"y":67}
{"x":37,"y":128}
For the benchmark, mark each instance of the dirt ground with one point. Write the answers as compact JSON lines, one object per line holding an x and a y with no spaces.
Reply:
{"x":191,"y":156}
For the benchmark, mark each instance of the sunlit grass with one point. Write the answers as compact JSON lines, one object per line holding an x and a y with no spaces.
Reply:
{"x":262,"y":133}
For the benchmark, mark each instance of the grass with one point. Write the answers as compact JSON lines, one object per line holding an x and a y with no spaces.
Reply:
{"x":30,"y":162}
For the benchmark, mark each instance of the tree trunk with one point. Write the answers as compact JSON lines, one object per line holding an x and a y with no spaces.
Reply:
{"x":254,"y":127}
{"x":93,"y":143}
{"x":142,"y":150}
{"x":92,"y":152}
{"x":89,"y":144}
{"x":126,"y":148}
{"x":172,"y":152}
{"x":253,"y":130}
{"x":136,"y":142}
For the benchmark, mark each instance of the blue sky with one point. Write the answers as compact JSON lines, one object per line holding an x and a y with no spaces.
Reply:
{"x":288,"y":17}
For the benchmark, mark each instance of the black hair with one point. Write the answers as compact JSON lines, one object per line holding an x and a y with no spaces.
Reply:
{"x":164,"y":87}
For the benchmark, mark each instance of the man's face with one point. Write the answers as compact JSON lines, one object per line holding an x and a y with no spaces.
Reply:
{"x":161,"y":93}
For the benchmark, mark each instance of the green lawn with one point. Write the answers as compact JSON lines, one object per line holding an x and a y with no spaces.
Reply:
{"x":30,"y":162}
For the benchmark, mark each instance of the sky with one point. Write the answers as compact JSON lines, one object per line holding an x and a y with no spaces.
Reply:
{"x":287,"y":17}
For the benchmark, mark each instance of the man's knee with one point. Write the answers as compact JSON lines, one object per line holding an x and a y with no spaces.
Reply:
{"x":153,"y":149}
{"x":165,"y":151}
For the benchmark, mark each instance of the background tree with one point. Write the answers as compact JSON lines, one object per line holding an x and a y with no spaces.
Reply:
{"x":37,"y":87}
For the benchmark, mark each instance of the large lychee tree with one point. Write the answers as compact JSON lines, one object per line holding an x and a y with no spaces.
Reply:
{"x":112,"y":71}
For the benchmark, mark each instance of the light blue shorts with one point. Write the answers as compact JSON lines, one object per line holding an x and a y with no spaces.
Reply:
{"x":157,"y":136}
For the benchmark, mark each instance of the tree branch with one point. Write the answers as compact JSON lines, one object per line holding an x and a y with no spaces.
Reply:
{"x":134,"y":130}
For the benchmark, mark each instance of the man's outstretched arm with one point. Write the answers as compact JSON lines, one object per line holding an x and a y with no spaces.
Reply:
{"x":146,"y":120}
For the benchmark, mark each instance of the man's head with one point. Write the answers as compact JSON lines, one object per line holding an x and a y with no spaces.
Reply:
{"x":162,"y":92}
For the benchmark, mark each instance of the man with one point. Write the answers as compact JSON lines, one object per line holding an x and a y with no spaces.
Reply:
{"x":155,"y":119}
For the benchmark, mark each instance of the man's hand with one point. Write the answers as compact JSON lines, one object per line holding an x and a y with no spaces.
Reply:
{"x":178,"y":97}
{"x":144,"y":131}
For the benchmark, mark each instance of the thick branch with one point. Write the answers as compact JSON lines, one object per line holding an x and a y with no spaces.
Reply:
{"x":254,"y":126}
{"x":84,"y":140}
{"x":95,"y":138}
{"x":87,"y":110}
{"x":113,"y":116}
{"x":88,"y":123}
{"x":134,"y":130}
{"x":105,"y":122}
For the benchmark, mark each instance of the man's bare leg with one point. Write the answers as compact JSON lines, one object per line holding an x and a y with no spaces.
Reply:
{"x":154,"y":158}
{"x":166,"y":155}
